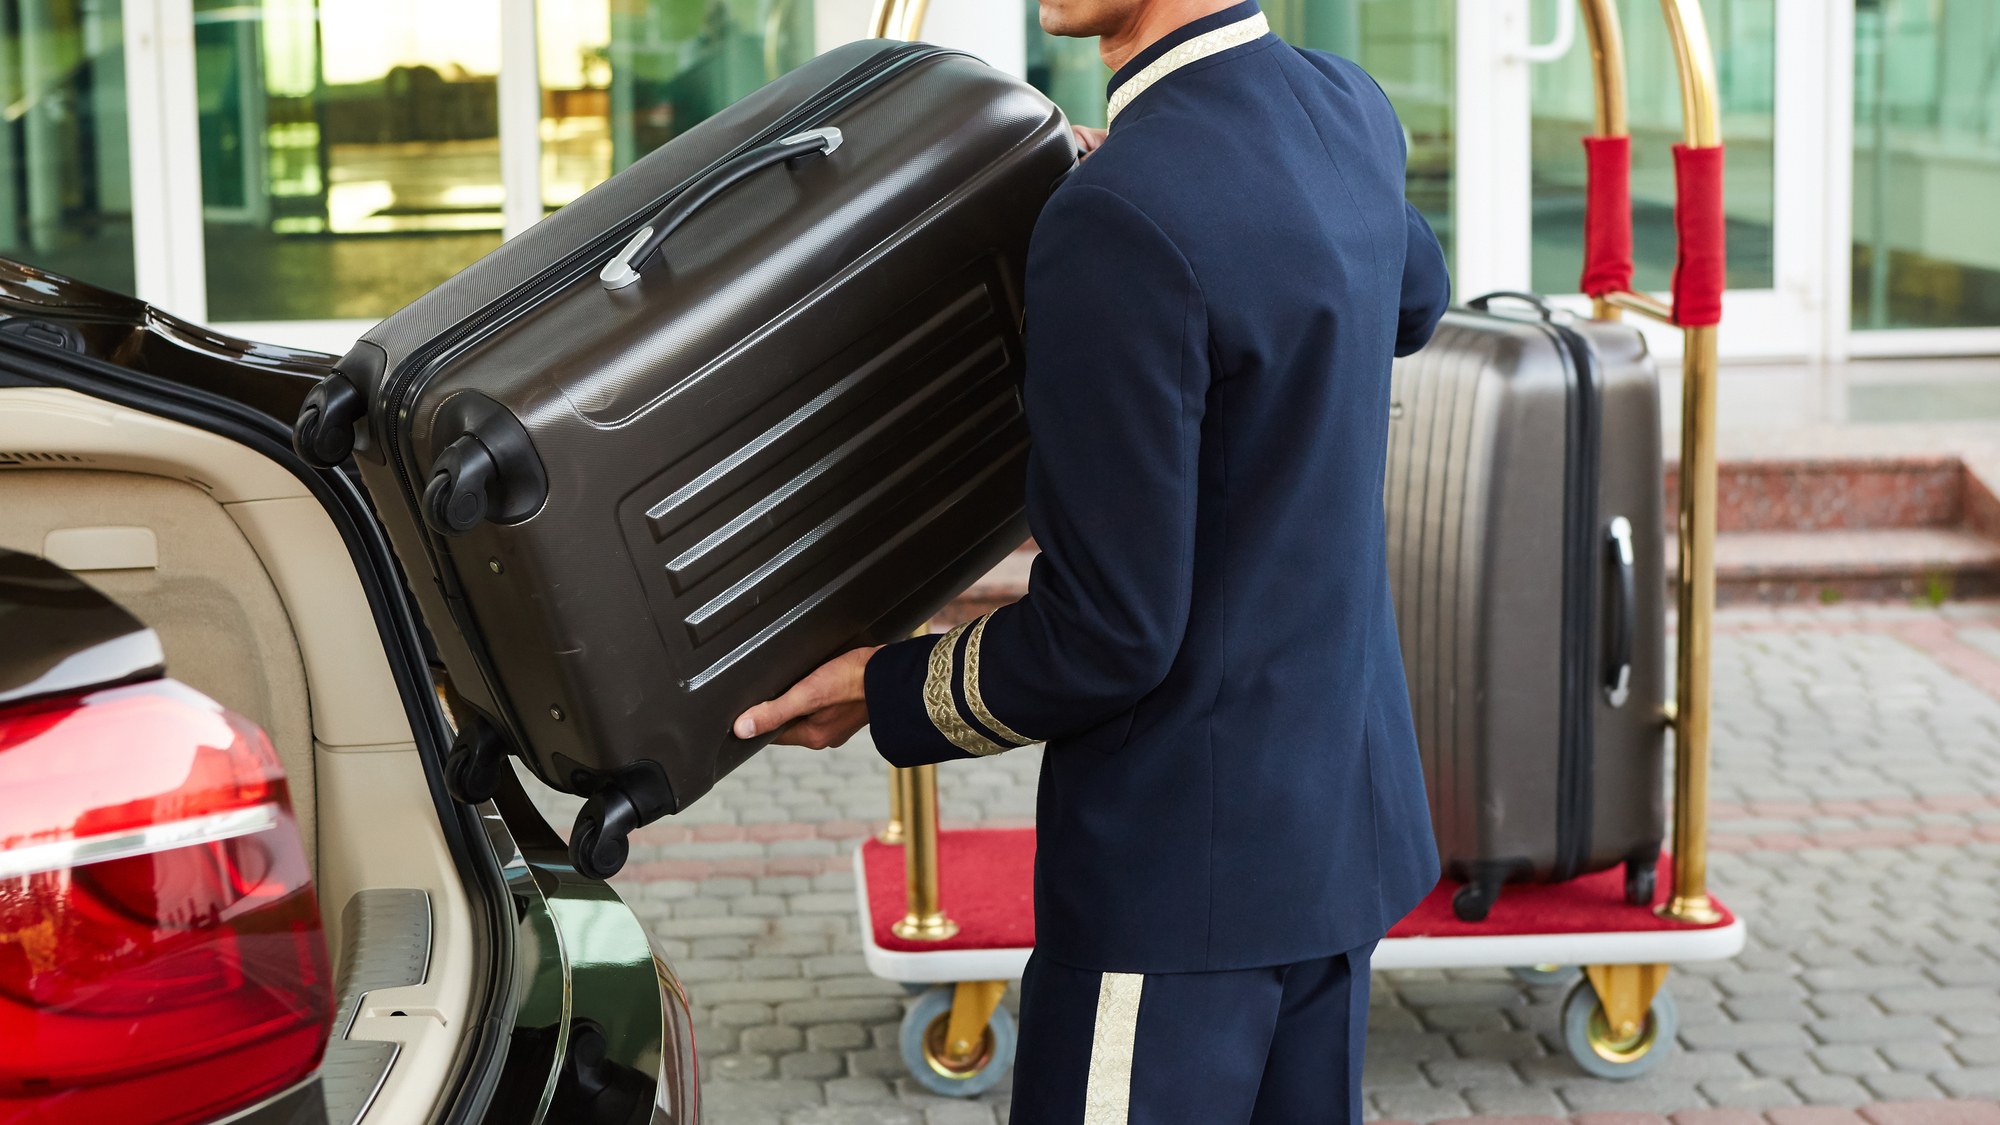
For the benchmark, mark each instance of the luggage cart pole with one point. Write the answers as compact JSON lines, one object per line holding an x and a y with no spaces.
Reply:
{"x":954,"y":1040}
{"x":1702,"y":129}
{"x":1619,"y":1015}
{"x":925,"y":920}
{"x":1695,"y":596}
{"x":892,"y":832}
{"x":897,"y":19}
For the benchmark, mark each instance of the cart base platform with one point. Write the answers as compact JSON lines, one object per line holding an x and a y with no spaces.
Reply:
{"x":987,"y":888}
{"x":1617,"y":1021}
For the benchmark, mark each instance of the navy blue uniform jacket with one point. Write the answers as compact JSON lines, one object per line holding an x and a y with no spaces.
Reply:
{"x":1207,"y":644}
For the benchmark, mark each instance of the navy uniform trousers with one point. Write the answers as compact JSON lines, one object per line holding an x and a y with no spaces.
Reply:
{"x":1231,"y":808}
{"x":1273,"y":1046}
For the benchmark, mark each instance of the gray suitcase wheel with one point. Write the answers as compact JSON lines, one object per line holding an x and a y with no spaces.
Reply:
{"x":601,"y":839}
{"x":923,"y":1048}
{"x":1589,"y":1039}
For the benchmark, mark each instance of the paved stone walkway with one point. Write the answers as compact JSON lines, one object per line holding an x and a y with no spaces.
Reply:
{"x":1856,"y":827}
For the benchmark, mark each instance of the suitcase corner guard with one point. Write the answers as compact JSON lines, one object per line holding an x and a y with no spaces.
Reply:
{"x":487,"y":469}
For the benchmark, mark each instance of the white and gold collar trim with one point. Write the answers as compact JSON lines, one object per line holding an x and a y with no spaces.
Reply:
{"x":1194,"y":50}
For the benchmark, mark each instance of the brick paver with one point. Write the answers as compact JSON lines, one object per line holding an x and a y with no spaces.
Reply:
{"x":1856,"y":825}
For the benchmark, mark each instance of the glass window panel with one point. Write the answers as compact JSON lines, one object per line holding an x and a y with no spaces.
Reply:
{"x":1407,"y":46}
{"x":1926,"y":163}
{"x":350,"y":151}
{"x":65,"y":168}
{"x":620,"y":78}
{"x":1743,"y":33}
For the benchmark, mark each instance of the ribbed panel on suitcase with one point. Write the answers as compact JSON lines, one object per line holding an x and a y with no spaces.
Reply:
{"x":813,"y":491}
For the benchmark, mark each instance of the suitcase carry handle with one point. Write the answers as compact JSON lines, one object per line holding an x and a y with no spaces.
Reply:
{"x":1541,"y":304}
{"x":1624,"y":613}
{"x":624,"y":266}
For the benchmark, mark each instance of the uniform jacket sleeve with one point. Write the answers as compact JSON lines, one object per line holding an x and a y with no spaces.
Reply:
{"x":1426,"y":285}
{"x":1117,"y":375}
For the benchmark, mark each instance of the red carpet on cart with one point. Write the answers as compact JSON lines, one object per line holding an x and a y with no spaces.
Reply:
{"x":1593,"y":904}
{"x":986,"y":884}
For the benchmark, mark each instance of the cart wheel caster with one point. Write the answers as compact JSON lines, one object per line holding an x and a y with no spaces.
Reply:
{"x":1545,"y":976}
{"x":924,"y":1054}
{"x":1641,"y":880}
{"x":472,"y":766}
{"x":1592,"y":1043}
{"x":1474,"y":901}
{"x":601,"y":839}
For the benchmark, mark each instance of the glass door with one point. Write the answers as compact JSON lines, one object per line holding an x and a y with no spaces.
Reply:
{"x":350,"y":152}
{"x":1771,"y":59}
{"x":65,"y":170}
{"x":1926,"y":172}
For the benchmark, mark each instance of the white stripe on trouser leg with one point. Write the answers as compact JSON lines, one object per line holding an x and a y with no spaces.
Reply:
{"x":1107,"y":1095}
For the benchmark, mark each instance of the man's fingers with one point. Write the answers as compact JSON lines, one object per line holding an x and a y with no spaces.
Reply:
{"x":835,"y":683}
{"x":823,"y":729}
{"x":806,"y":696}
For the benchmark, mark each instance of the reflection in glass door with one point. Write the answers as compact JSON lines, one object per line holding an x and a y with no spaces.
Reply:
{"x":1408,"y":46}
{"x":65,"y":173}
{"x":619,"y":79}
{"x":1926,"y":164}
{"x":350,"y":152}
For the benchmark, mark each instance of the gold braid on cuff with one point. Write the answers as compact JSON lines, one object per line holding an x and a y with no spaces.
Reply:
{"x":972,"y":694}
{"x":943,"y":709}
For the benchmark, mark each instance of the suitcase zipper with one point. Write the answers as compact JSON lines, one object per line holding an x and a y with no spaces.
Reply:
{"x":1580,"y":581}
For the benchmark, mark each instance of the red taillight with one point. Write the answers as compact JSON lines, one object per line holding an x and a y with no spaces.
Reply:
{"x":161,"y":953}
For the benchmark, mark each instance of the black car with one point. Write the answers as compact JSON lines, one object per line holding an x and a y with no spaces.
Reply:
{"x":233,"y":886}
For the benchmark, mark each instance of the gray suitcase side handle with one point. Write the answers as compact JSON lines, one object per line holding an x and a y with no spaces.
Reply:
{"x":624,"y":266}
{"x":1624,"y":612}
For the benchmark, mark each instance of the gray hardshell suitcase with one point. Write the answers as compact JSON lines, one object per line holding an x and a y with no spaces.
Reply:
{"x":750,"y":402}
{"x":1524,"y":497}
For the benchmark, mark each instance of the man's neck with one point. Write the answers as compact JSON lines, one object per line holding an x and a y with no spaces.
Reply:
{"x":1151,"y":23}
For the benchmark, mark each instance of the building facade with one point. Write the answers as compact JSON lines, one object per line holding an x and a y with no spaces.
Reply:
{"x":295,"y":169}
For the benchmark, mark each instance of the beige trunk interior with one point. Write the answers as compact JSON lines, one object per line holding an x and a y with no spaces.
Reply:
{"x":256,"y":603}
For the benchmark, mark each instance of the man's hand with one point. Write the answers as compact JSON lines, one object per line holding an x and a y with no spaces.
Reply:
{"x":1087,"y":139}
{"x":822,"y":710}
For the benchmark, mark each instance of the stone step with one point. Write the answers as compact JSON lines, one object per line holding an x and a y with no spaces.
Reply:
{"x":1828,"y":493}
{"x":1868,"y":564}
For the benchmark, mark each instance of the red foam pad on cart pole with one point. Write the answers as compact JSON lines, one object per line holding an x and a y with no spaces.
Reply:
{"x":1607,"y":215}
{"x":1701,"y":259}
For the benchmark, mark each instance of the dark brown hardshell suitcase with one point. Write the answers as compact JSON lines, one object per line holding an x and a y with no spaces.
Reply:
{"x":1524,"y":498}
{"x":748,"y":403}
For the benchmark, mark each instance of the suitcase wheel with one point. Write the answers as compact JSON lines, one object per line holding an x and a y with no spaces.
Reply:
{"x":324,"y":432}
{"x":930,"y":1059}
{"x":602,"y":837}
{"x":459,"y":496}
{"x":1474,"y":901}
{"x":1641,"y":880}
{"x":1590,"y":1040}
{"x":472,"y":766}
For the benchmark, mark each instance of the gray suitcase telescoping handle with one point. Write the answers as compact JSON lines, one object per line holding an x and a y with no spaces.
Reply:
{"x":1482,"y":302}
{"x":624,"y":266}
{"x":1624,"y":612}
